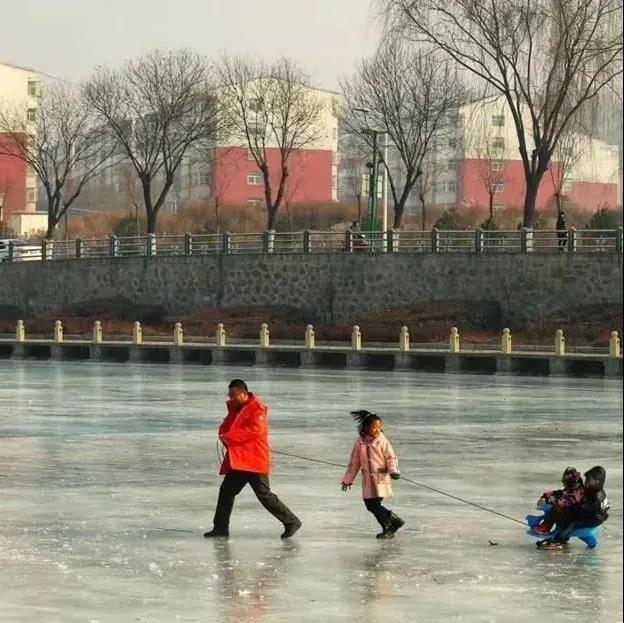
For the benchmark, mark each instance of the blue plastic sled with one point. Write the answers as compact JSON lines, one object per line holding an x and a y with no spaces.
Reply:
{"x":587,"y":535}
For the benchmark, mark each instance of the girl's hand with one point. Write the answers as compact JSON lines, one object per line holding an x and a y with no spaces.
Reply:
{"x":345,"y":486}
{"x":395,"y":476}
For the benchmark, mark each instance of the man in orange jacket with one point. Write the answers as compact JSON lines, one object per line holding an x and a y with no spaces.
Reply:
{"x":245,"y":435}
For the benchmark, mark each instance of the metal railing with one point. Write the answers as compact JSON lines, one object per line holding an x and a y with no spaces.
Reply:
{"x":304,"y":242}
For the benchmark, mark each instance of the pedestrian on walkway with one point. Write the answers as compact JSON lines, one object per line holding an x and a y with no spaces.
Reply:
{"x":245,"y":435}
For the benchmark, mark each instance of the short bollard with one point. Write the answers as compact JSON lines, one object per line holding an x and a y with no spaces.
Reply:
{"x":506,"y":342}
{"x":559,"y":342}
{"x":137,"y":333}
{"x":265,"y":339}
{"x":614,"y":344}
{"x":20,"y":331}
{"x":58,"y":332}
{"x":220,"y":335}
{"x":356,"y":338}
{"x":178,"y":334}
{"x":404,"y":339}
{"x":454,"y":340}
{"x":97,"y":332}
{"x":309,"y":336}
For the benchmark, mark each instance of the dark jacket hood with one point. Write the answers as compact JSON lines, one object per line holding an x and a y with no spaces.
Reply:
{"x":596,"y":477}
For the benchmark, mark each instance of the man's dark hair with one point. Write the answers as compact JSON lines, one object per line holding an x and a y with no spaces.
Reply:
{"x":238,"y":384}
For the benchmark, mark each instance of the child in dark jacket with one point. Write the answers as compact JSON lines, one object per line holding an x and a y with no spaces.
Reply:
{"x":590,"y":512}
{"x":571,"y":494}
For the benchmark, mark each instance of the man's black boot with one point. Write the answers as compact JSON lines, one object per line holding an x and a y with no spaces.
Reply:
{"x":291,"y":528}
{"x":216,"y":533}
{"x":395,"y":522}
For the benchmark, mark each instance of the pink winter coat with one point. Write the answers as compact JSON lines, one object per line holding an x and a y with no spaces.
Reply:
{"x":376,"y":458}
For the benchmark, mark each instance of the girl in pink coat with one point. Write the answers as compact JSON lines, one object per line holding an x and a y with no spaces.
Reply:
{"x":374,"y":456}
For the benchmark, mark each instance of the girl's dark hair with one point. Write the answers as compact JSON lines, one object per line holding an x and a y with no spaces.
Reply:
{"x":364,"y":419}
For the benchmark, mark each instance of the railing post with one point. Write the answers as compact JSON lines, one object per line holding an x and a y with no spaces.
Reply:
{"x":389,"y":241}
{"x":356,"y":338}
{"x":11,"y":251}
{"x":97,"y":332}
{"x":435,"y":240}
{"x":309,"y":337}
{"x":348,"y":241}
{"x":178,"y":334}
{"x":506,"y":342}
{"x":44,"y":249}
{"x":619,"y":239}
{"x":404,"y":339}
{"x":79,"y":252}
{"x":265,"y":339}
{"x":559,"y":342}
{"x":20,"y":331}
{"x":478,"y":240}
{"x":150,"y":244}
{"x":614,"y":344}
{"x":572,"y":240}
{"x":58,"y":332}
{"x":265,"y":241}
{"x":188,"y":244}
{"x":454,"y":340}
{"x":137,"y":333}
{"x":307,"y":242}
{"x":220,"y":336}
{"x":225,"y":243}
{"x":113,"y":246}
{"x":526,"y":240}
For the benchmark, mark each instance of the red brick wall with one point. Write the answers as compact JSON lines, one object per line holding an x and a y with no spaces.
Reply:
{"x":12,"y":183}
{"x":309,"y":180}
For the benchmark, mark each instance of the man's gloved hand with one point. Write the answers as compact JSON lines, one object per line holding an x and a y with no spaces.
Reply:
{"x":344,"y":486}
{"x":395,"y":476}
{"x":541,"y":502}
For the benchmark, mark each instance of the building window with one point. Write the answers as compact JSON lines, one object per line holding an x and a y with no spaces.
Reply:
{"x":334,"y":181}
{"x":498,"y":187}
{"x":450,"y":187}
{"x":255,"y":105}
{"x":31,"y":115}
{"x":452,"y":144}
{"x":497,"y":165}
{"x":334,"y":133}
{"x":31,"y":195}
{"x":33,"y":88}
{"x":256,"y":203}
{"x":567,"y":187}
{"x":254,"y":179}
{"x":451,"y":165}
{"x":498,"y":121}
{"x":498,"y":142}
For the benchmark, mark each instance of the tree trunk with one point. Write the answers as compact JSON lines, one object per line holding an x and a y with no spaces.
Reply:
{"x":491,"y":206}
{"x":272,"y":217}
{"x":53,"y":219}
{"x":423,"y":213}
{"x":530,"y":198}
{"x":151,"y":222}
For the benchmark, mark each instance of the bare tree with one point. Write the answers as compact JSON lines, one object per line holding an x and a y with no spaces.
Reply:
{"x":270,"y":108}
{"x":484,"y":143}
{"x":63,"y":144}
{"x":157,"y":106}
{"x":424,"y":186}
{"x":566,"y":155}
{"x":409,"y":93}
{"x":548,"y":58}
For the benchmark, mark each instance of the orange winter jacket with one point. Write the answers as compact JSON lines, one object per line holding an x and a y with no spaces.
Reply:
{"x":245,"y":435}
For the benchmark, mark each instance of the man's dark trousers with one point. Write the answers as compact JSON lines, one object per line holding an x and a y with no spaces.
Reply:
{"x":233,"y":484}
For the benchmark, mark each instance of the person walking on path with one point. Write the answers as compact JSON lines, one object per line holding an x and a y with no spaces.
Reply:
{"x":245,"y":435}
{"x":562,"y":230}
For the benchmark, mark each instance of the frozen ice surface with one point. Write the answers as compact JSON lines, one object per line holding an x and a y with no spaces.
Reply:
{"x":108,"y":480}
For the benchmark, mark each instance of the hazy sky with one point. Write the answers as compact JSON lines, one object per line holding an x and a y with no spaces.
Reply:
{"x":69,"y":38}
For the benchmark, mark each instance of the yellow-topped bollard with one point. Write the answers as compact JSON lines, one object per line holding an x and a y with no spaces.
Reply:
{"x":58,"y":332}
{"x":506,"y":342}
{"x":356,"y":338}
{"x":309,"y":337}
{"x":220,"y":335}
{"x":178,"y":334}
{"x":20,"y":331}
{"x":265,"y":338}
{"x":559,"y":342}
{"x":137,"y":333}
{"x":454,"y":340}
{"x":404,"y":339}
{"x":97,"y":332}
{"x":614,"y":344}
